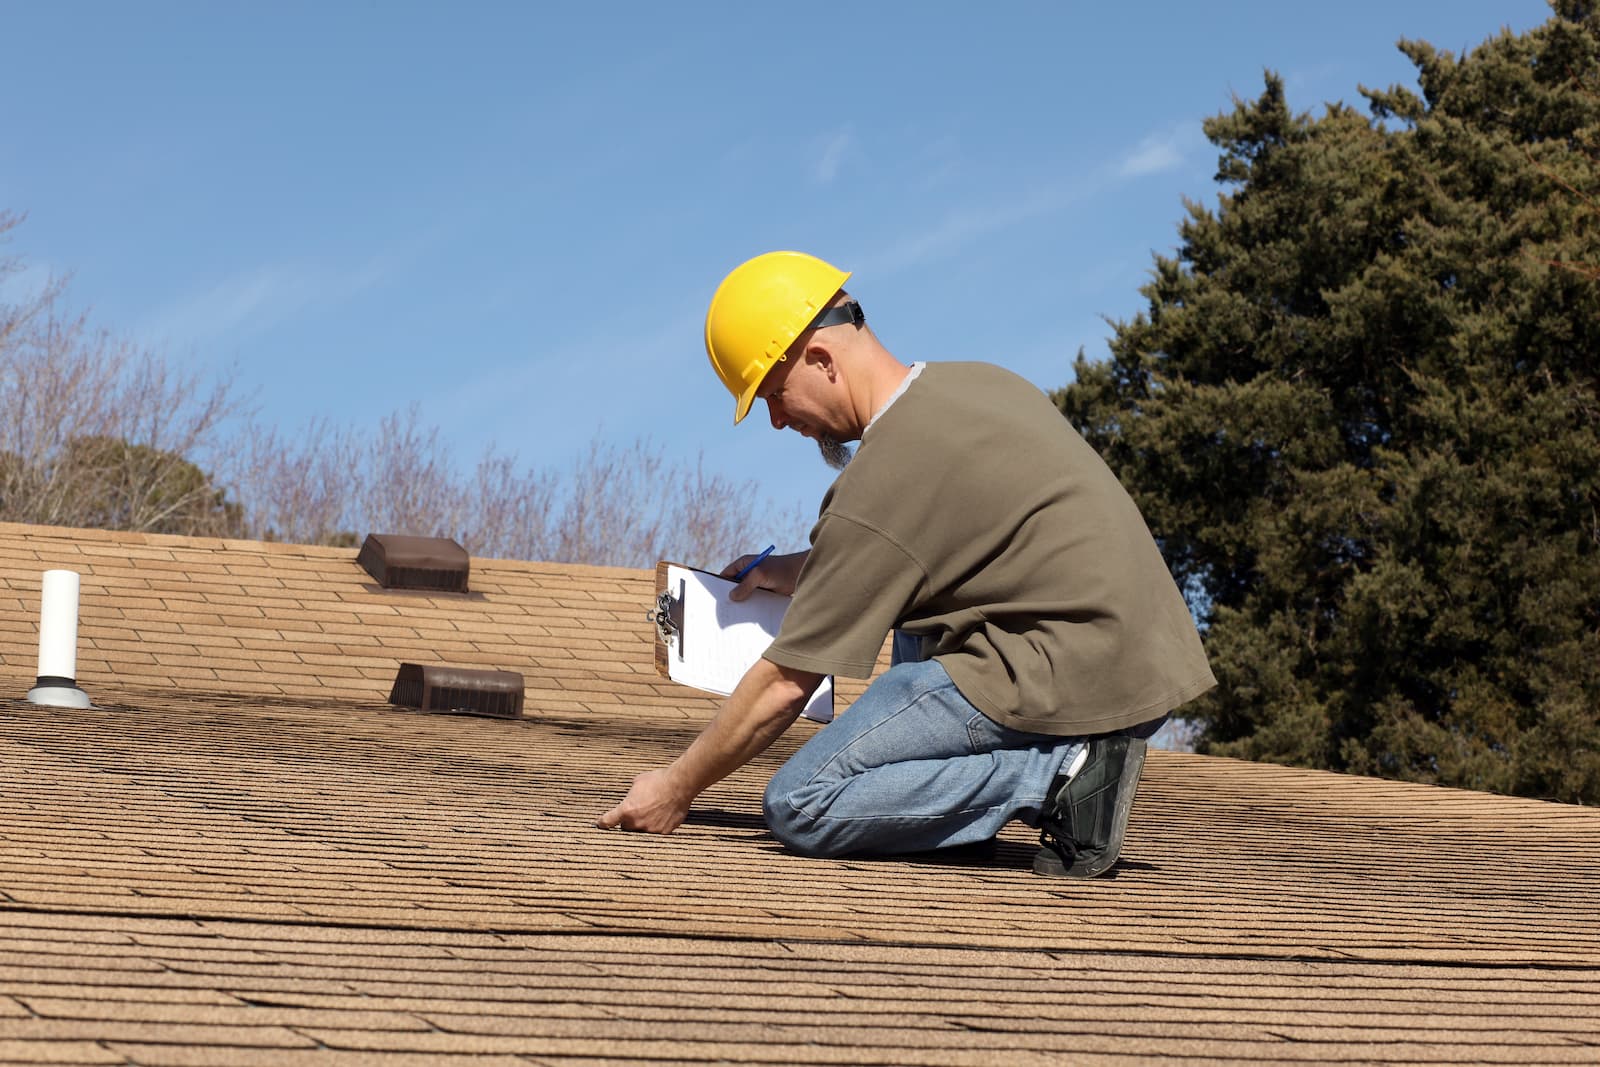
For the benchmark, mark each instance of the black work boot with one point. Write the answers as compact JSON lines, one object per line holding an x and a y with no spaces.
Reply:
{"x":1086,"y":815}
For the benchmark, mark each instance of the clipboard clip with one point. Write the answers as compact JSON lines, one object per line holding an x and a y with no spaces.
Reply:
{"x":668,"y":617}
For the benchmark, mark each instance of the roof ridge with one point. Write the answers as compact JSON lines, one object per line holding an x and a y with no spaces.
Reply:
{"x":139,"y":539}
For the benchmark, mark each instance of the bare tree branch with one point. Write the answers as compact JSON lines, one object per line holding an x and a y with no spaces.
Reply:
{"x":102,"y":434}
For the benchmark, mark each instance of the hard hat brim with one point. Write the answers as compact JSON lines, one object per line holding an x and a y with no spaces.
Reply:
{"x":741,"y":406}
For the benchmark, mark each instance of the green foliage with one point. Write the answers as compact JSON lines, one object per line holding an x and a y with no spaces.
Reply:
{"x":124,"y":486}
{"x":107,"y":483}
{"x":1361,"y":415}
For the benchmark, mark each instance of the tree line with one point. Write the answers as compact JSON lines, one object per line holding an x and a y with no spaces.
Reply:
{"x":1361,"y":414}
{"x":101,"y":433}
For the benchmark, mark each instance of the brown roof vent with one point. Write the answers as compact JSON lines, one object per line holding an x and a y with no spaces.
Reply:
{"x":399,"y":561}
{"x":458,"y":690}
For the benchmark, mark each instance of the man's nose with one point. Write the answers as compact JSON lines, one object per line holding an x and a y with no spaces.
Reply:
{"x":775,"y":412}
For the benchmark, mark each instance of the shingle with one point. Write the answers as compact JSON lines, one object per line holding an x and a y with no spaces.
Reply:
{"x":22,"y":1051}
{"x":271,"y":853}
{"x":182,"y":1056}
{"x":40,"y":1030}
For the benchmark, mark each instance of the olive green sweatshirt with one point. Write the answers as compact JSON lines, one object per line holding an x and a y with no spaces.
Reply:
{"x":975,"y":516}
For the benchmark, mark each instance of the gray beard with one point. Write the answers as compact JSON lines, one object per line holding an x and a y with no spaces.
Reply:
{"x":835,"y":453}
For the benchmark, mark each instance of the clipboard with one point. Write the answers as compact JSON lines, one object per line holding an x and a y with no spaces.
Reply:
{"x":705,"y":640}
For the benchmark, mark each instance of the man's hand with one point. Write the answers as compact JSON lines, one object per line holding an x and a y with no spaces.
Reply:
{"x":767,"y":699}
{"x":653,"y":804}
{"x":777,"y":573}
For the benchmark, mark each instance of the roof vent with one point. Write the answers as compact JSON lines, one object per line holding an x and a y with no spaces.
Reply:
{"x":58,"y":643}
{"x":398,"y":561}
{"x":458,"y":690}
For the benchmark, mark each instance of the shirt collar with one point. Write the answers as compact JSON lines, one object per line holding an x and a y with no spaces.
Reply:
{"x":916,"y":369}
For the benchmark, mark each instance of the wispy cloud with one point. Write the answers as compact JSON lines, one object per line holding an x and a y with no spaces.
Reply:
{"x":937,"y":160}
{"x":1161,"y":150}
{"x":524,"y":395}
{"x":258,"y":298}
{"x":249,"y":301}
{"x":968,"y":223}
{"x":826,"y":168}
{"x":1309,"y":78}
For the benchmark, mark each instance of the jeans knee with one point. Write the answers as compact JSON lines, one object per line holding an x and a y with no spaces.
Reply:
{"x":788,"y":821}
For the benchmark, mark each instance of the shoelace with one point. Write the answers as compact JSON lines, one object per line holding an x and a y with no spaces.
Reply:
{"x":1053,"y":837}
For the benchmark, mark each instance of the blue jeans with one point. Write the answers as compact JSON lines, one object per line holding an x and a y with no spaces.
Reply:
{"x":912,"y":766}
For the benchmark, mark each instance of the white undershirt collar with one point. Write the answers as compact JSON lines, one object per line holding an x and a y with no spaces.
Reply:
{"x":916,"y":369}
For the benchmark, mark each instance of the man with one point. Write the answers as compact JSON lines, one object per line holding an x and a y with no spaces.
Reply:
{"x":1039,"y":639}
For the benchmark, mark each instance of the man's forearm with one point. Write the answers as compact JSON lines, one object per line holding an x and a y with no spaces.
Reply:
{"x":766,"y":701}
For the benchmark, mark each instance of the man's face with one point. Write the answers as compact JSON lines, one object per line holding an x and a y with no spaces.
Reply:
{"x":793,"y":390}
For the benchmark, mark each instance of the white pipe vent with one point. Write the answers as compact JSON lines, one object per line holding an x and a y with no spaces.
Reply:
{"x":57,"y":685}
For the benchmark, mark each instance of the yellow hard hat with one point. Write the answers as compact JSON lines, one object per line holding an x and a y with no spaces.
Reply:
{"x":758,"y":311}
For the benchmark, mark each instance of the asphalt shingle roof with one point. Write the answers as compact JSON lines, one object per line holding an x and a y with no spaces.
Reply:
{"x":242,"y":854}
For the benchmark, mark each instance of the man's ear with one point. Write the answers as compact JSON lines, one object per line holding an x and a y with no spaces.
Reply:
{"x":820,"y":354}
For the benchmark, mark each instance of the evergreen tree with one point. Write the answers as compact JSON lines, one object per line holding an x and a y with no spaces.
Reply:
{"x":1361,"y":416}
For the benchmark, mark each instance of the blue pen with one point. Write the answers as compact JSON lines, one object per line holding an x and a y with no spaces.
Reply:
{"x":753,"y":564}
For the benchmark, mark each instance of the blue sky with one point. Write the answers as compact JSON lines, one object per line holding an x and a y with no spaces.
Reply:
{"x":514,"y":213}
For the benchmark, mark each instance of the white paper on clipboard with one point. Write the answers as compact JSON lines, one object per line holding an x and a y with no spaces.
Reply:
{"x":719,"y":639}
